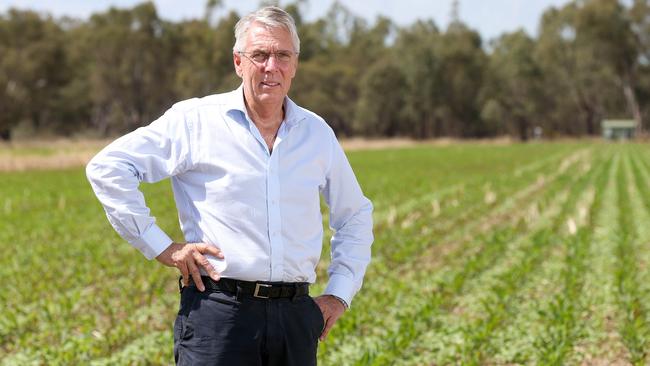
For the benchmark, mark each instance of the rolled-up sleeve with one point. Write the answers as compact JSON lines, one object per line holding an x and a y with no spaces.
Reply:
{"x":351,"y":220}
{"x":148,"y":154}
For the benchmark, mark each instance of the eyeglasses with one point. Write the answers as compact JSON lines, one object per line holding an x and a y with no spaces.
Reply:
{"x":261,"y":57}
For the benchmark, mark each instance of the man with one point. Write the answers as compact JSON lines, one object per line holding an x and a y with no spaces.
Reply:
{"x":247,"y":168}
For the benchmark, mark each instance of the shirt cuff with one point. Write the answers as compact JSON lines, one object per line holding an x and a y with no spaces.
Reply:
{"x":345,"y":304}
{"x":152,"y":242}
{"x":342,"y":287}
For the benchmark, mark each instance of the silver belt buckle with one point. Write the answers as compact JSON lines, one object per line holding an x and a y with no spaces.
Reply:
{"x":257,"y":290}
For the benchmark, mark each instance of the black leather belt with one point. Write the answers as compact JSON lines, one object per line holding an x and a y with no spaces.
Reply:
{"x":261,"y":290}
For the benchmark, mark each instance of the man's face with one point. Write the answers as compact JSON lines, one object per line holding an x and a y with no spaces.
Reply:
{"x":267,"y":82}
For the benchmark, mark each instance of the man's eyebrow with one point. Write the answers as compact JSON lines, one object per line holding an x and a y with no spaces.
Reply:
{"x":262,"y":50}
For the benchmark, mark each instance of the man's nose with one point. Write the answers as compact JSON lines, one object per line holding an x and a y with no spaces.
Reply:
{"x":271,"y":62}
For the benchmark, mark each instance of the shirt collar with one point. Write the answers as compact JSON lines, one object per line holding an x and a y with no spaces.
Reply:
{"x":293,"y":115}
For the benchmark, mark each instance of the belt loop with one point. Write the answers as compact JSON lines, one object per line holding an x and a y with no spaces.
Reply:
{"x":295,"y":292}
{"x":238,"y":291}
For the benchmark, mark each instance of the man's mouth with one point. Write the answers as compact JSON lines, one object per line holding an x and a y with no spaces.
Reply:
{"x":270,"y":84}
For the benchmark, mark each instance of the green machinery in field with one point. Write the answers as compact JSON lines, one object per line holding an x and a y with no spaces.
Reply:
{"x":618,"y":129}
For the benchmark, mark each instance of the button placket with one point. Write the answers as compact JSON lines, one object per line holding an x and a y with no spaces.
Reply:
{"x":273,"y":196}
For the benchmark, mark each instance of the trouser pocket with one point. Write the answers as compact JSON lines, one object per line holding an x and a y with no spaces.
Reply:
{"x":318,"y":316}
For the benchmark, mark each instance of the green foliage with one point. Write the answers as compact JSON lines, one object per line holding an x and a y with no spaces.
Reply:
{"x":122,"y":68}
{"x":514,"y":87}
{"x":32,"y":69}
{"x":379,"y":112}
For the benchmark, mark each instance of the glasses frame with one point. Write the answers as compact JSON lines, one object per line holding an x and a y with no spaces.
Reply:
{"x":268,"y":56}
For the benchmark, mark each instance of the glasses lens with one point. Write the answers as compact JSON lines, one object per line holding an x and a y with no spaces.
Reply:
{"x":260,"y":57}
{"x":283,"y":56}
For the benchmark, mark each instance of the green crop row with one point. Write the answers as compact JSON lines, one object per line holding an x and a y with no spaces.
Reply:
{"x":484,"y":254}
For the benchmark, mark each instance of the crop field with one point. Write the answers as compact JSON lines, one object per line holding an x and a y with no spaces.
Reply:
{"x":484,"y":254}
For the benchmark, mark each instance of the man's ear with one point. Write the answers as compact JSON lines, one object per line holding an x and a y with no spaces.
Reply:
{"x":236,"y":59}
{"x":295,"y":68}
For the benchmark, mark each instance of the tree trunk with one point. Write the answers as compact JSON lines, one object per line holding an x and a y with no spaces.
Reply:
{"x":522,"y":127}
{"x":590,"y":118}
{"x":632,"y":102}
{"x":589,"y":111}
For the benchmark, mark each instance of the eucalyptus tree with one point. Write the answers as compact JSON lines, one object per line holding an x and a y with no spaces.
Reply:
{"x":130,"y":69}
{"x":203,"y":57}
{"x":605,"y":29}
{"x":380,"y":108}
{"x":336,"y":53}
{"x":462,"y":70}
{"x":512,"y":94}
{"x":640,"y":17}
{"x":31,"y":70}
{"x":574,"y":77}
{"x":421,"y":66}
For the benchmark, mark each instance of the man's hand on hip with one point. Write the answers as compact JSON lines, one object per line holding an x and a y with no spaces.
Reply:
{"x":188,"y":258}
{"x":332,"y":309}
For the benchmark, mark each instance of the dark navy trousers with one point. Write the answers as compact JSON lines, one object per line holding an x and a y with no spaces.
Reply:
{"x":221,"y":328}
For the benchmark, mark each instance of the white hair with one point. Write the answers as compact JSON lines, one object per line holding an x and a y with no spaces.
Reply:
{"x":270,"y":16}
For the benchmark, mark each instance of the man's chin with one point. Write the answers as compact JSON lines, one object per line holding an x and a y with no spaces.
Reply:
{"x":271,"y":96}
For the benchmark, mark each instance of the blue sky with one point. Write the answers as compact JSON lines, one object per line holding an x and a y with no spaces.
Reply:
{"x":489,"y":17}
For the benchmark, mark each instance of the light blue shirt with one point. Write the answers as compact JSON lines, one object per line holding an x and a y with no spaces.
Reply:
{"x":261,"y":209}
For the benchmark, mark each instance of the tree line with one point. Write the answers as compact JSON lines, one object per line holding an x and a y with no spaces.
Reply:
{"x":122,"y":68}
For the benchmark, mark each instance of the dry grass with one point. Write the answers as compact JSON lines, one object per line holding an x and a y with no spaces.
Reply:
{"x":47,"y":155}
{"x":66,"y":153}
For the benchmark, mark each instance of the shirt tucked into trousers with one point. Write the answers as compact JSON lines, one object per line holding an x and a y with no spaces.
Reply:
{"x":261,"y":207}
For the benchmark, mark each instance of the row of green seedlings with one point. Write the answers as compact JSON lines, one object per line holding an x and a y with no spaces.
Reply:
{"x":457,"y":281}
{"x":135,"y":306}
{"x":96,"y":332}
{"x":599,"y":342}
{"x":641,"y":171}
{"x":395,"y":287}
{"x":500,"y":301}
{"x":93,"y":323}
{"x":56,"y":309}
{"x":430,"y":168}
{"x":66,"y":304}
{"x":66,"y":247}
{"x":634,"y":329}
{"x":407,"y":242}
{"x":511,"y":192}
{"x":563,"y":325}
{"x":524,"y":361}
{"x":448,"y":197}
{"x":441,"y":298}
{"x":460,"y":210}
{"x":57,"y":312}
{"x":48,"y":241}
{"x":460,"y":279}
{"x":455,"y":342}
{"x":514,"y":338}
{"x":63,"y":314}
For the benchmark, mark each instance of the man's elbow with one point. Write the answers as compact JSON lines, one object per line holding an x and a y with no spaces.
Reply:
{"x":366,"y":210}
{"x":97,"y":171}
{"x":92,"y":170}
